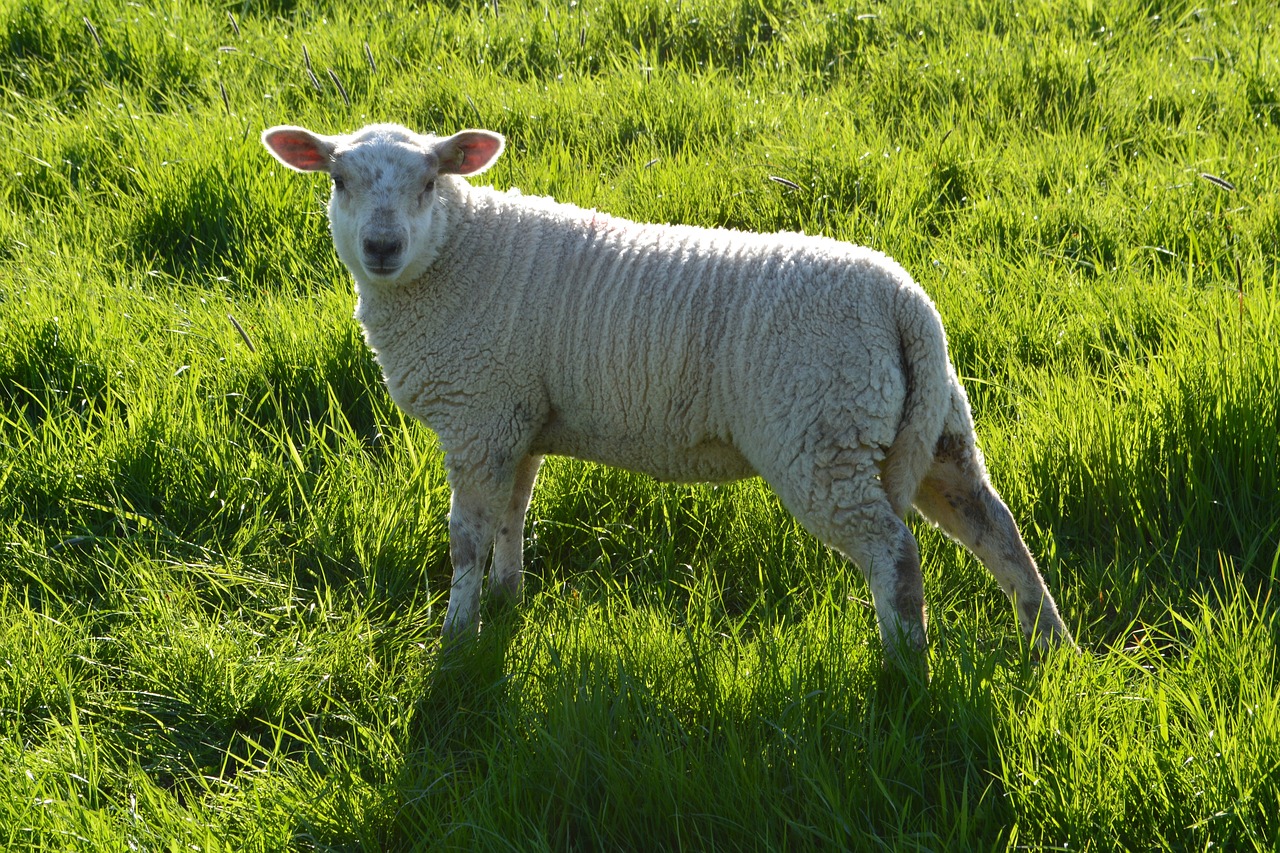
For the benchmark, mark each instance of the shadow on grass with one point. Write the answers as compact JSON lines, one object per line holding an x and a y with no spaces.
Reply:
{"x":464,"y":695}
{"x":600,"y":749}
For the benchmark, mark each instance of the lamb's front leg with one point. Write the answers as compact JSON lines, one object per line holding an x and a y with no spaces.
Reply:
{"x":506,"y":579}
{"x":476,"y":507}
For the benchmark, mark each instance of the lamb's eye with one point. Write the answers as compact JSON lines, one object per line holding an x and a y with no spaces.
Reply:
{"x":429,"y":186}
{"x":339,"y":184}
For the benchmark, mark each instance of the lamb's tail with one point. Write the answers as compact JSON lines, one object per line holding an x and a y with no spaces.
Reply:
{"x":927,"y":370}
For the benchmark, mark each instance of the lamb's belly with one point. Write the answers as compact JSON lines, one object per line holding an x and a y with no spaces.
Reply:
{"x":708,"y":461}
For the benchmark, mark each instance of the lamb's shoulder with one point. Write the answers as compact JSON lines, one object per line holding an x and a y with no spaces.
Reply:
{"x":461,"y":379}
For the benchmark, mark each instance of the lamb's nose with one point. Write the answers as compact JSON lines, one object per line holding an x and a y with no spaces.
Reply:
{"x":380,"y":253}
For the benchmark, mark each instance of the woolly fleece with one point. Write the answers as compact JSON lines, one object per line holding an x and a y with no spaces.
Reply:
{"x":517,"y":326}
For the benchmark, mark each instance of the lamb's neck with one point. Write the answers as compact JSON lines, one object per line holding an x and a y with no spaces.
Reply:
{"x":480,"y":267}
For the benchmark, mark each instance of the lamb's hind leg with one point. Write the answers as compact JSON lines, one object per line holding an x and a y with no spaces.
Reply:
{"x":885,"y":550}
{"x":957,"y":496}
{"x":843,"y":503}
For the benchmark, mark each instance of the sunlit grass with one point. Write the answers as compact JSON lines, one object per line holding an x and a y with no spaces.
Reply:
{"x":223,"y":550}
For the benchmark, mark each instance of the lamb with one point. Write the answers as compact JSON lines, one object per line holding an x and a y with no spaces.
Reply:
{"x":515,"y":327}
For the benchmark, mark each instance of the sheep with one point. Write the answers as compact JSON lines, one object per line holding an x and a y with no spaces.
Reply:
{"x":516,"y":326}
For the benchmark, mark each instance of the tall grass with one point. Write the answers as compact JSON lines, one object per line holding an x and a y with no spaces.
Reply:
{"x":223,"y":550}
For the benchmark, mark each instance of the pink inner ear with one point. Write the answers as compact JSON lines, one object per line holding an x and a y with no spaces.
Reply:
{"x":478,"y":151}
{"x":300,"y":150}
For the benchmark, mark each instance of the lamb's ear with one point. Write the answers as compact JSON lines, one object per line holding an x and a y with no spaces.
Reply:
{"x":299,"y":148}
{"x":469,"y":152}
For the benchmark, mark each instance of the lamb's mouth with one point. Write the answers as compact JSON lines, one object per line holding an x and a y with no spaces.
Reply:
{"x":382,"y":254}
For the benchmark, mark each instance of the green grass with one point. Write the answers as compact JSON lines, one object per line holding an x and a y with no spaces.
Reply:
{"x":223,"y":557}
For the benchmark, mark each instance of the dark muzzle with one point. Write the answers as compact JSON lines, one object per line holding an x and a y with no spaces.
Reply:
{"x":381,"y":255}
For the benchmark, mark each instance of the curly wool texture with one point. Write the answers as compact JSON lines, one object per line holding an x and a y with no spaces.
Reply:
{"x":517,"y":326}
{"x":689,"y":354}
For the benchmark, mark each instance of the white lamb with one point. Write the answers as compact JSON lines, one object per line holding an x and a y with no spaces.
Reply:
{"x":517,"y":326}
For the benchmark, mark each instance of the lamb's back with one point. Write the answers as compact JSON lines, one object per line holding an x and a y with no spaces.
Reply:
{"x":655,"y":347}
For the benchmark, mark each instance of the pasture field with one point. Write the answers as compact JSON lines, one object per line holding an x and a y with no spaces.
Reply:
{"x":222,"y":549}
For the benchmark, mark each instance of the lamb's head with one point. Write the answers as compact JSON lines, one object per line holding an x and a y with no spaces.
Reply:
{"x":385,"y":199}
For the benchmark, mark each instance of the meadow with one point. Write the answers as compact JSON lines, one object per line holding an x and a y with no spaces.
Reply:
{"x":223,"y":554}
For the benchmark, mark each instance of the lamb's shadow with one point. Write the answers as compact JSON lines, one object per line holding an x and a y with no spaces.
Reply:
{"x":465,"y":694}
{"x":901,"y":747}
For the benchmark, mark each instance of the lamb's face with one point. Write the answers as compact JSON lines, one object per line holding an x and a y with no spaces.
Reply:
{"x":384,"y":209}
{"x":383,"y":201}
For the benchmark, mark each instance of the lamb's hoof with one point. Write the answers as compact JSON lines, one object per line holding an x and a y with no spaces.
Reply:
{"x":1045,"y":643}
{"x":507,"y":592}
{"x":458,"y":632}
{"x":908,"y":658}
